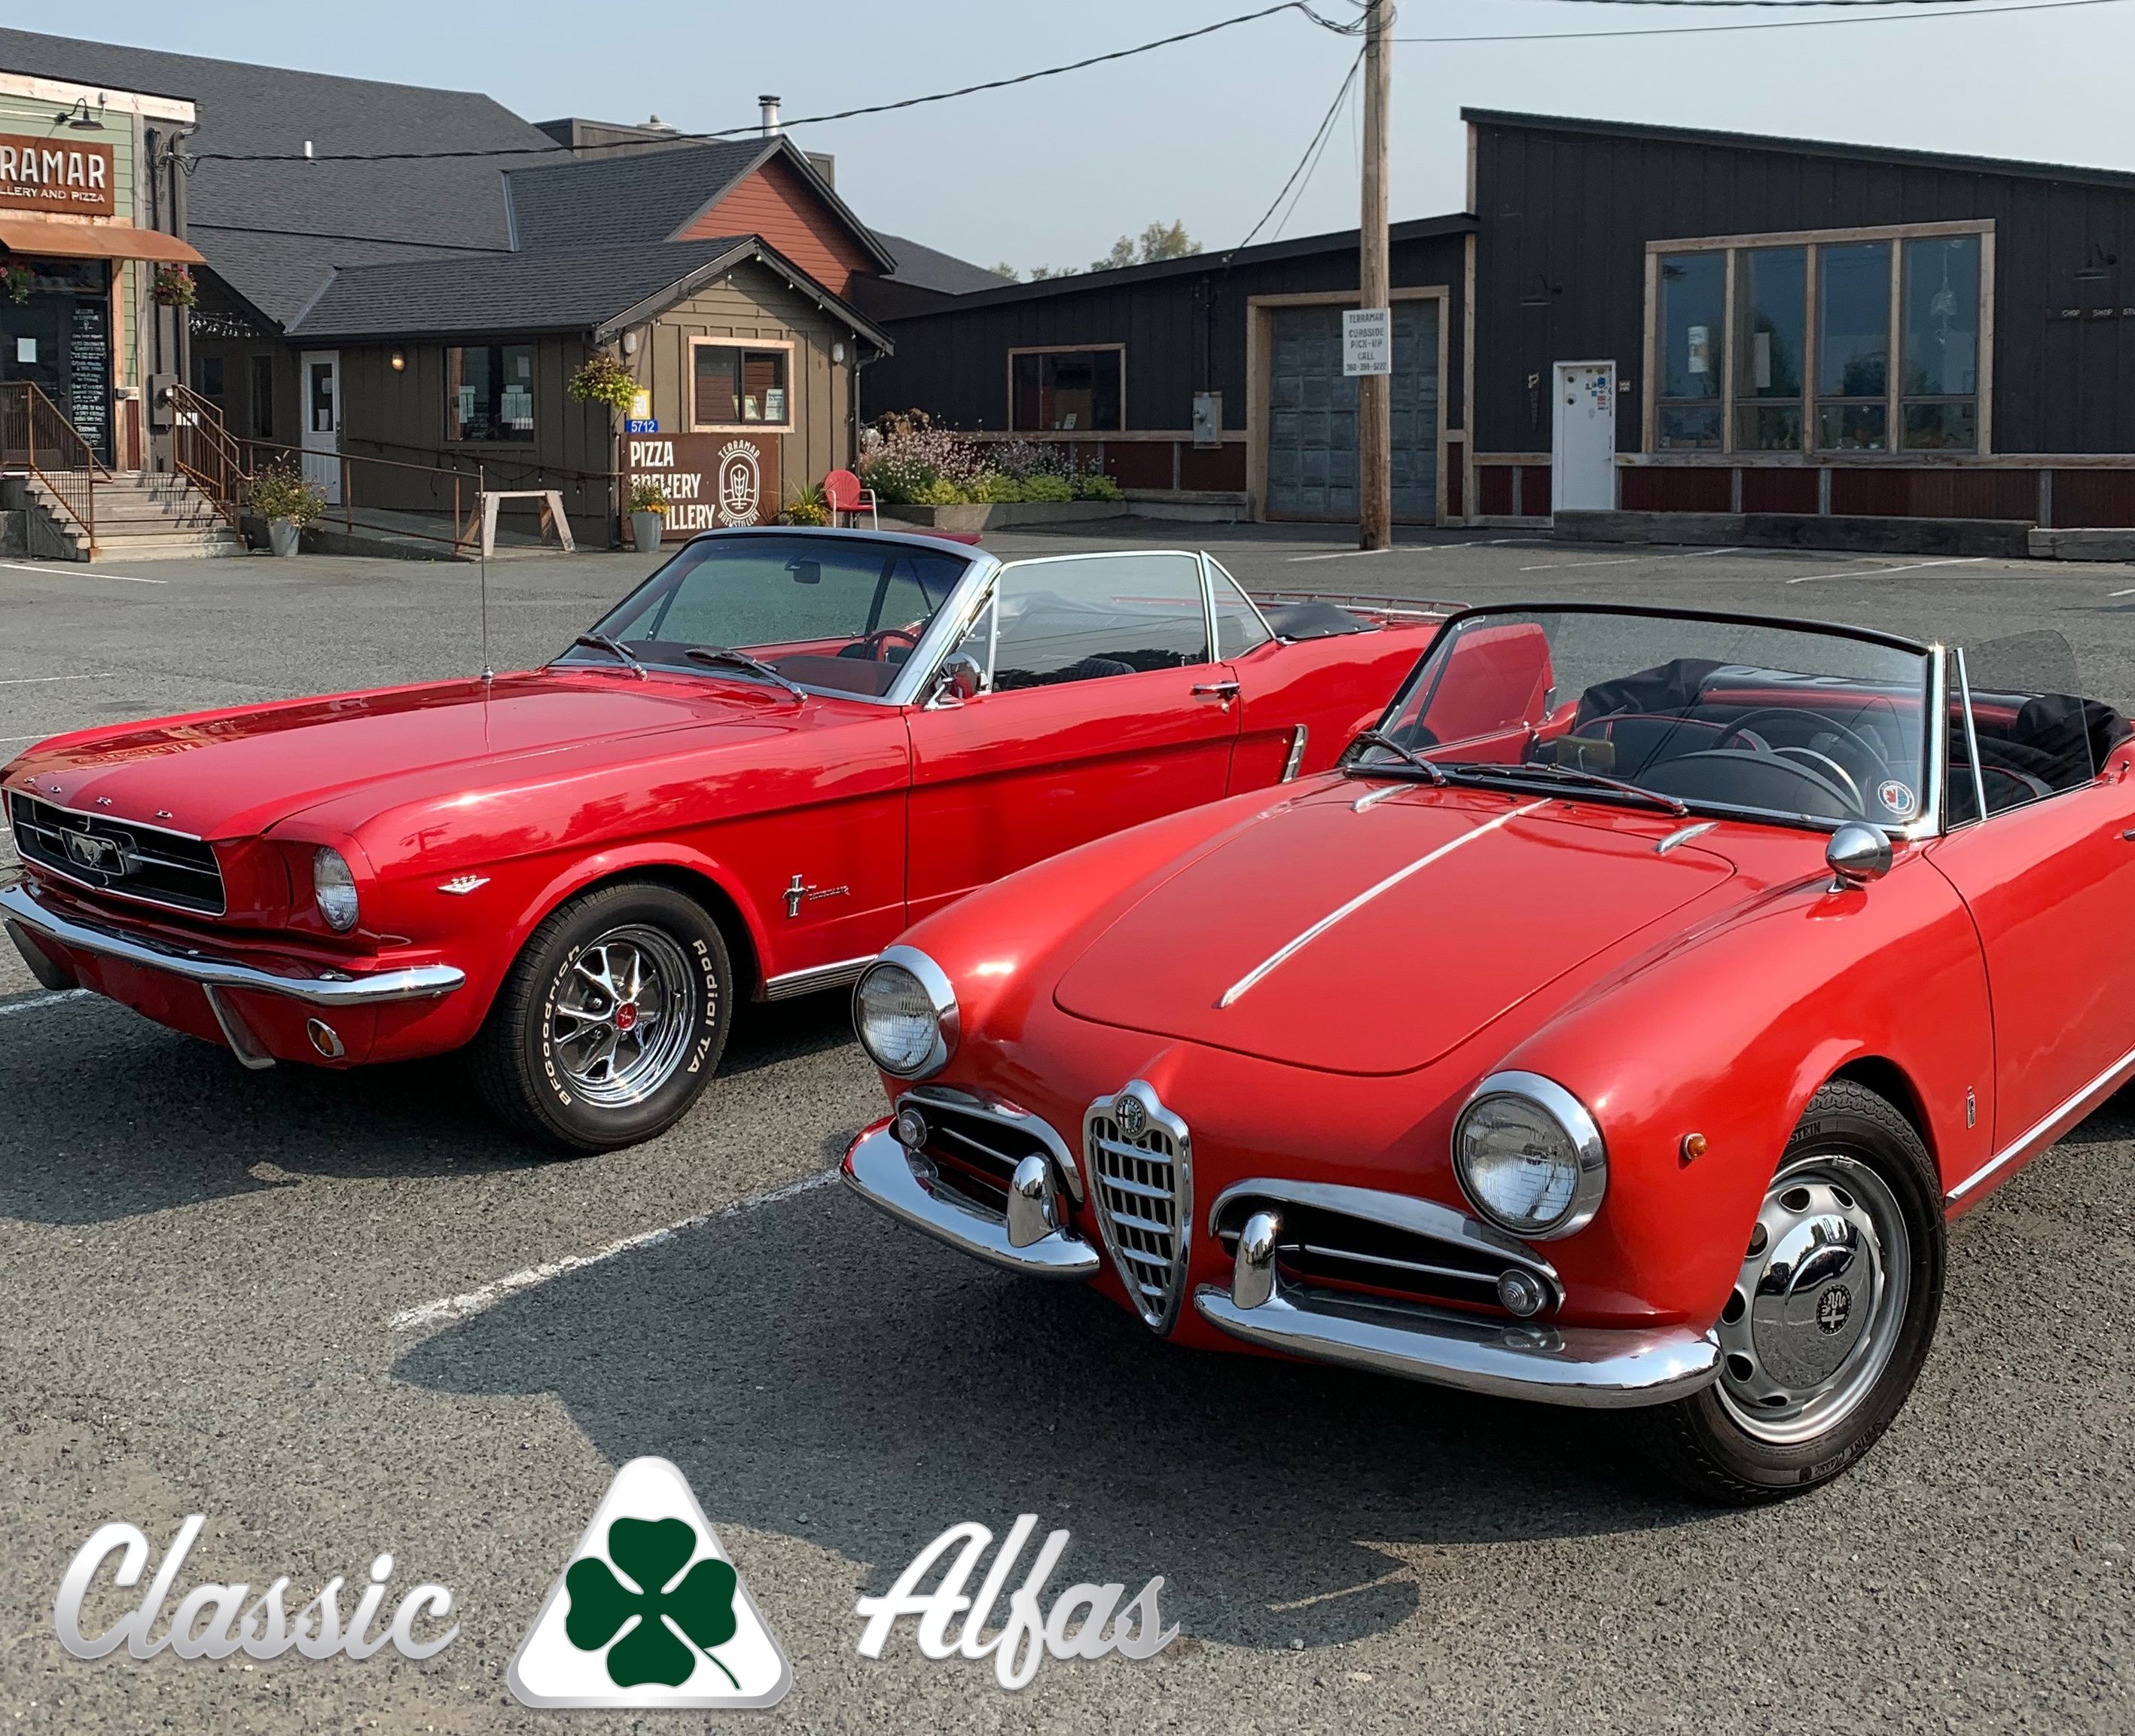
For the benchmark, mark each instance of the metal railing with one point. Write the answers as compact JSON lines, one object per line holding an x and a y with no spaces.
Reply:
{"x":36,"y":437}
{"x":208,"y":454}
{"x":383,"y":495}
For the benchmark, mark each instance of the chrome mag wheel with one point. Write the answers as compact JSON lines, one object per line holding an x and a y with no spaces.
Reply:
{"x":1820,"y":1304}
{"x":620,"y":1024}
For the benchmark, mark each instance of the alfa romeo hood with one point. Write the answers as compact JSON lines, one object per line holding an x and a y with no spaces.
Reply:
{"x":1376,"y":942}
{"x":231,"y":774}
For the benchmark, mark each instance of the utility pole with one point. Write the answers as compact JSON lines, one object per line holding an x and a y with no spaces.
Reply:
{"x":1375,"y":392}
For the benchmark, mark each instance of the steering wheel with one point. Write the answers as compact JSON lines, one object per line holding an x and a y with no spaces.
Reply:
{"x":1821,"y":762}
{"x":874,"y":645}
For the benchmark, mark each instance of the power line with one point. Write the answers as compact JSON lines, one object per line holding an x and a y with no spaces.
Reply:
{"x":1968,"y":11}
{"x":808,"y":120}
{"x":1333,"y":108}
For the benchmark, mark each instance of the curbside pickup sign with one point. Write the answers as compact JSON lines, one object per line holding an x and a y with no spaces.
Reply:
{"x":648,"y":1612}
{"x":1368,"y":341}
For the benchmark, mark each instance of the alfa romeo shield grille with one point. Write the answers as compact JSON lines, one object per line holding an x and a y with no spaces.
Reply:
{"x":1140,"y":1159}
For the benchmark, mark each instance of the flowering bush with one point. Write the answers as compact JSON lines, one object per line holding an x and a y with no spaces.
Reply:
{"x":808,"y":507}
{"x":605,"y":379}
{"x":647,"y":495}
{"x":907,"y":461}
{"x":280,"y":492}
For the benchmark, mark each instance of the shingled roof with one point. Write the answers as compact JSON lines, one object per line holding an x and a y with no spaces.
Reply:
{"x":928,"y":268}
{"x":273,"y":232}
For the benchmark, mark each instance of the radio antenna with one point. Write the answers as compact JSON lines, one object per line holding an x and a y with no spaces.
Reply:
{"x":481,"y":500}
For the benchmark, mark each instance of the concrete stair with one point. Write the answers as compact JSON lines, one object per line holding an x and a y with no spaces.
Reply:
{"x":140,"y":515}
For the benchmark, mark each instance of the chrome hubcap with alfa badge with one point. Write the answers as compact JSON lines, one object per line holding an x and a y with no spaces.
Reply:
{"x":621,"y":1022}
{"x":1816,"y":1312}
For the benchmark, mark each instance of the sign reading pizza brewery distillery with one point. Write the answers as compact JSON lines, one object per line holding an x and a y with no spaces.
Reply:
{"x":55,"y":175}
{"x":711,"y":481}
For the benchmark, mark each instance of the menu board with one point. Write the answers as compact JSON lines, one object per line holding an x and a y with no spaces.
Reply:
{"x":88,"y":383}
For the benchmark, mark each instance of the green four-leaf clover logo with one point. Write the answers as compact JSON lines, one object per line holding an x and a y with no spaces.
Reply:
{"x":698,"y":1604}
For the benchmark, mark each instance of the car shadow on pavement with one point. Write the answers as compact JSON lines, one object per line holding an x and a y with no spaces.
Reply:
{"x":819,"y":1372}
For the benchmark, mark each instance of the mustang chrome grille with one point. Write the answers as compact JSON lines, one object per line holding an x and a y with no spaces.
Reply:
{"x":122,"y":857}
{"x":1140,"y":1159}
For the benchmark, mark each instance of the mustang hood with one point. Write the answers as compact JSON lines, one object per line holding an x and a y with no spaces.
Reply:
{"x":1376,"y":942}
{"x":226,"y":775}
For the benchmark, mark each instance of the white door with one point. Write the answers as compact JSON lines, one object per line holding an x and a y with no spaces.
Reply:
{"x":321,"y":391}
{"x":1582,"y":469}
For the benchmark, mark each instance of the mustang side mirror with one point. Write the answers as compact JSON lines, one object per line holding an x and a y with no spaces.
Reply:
{"x":959,"y":678}
{"x":1856,"y":854}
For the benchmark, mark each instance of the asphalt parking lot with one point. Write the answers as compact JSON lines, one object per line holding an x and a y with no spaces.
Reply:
{"x":343,"y":1314}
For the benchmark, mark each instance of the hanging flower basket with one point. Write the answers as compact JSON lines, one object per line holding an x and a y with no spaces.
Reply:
{"x":15,"y":282}
{"x":175,"y":286}
{"x":605,"y":379}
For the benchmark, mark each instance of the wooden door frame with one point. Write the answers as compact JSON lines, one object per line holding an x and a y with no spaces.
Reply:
{"x":1260,"y":339}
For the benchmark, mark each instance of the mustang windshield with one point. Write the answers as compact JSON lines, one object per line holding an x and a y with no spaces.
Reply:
{"x":832,"y":613}
{"x":1816,"y":726}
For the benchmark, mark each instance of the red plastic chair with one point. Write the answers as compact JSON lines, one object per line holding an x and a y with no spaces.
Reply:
{"x":843,"y":493}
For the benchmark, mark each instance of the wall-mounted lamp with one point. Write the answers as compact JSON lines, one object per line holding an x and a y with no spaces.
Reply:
{"x":630,"y":343}
{"x":399,"y":361}
{"x":79,"y":118}
{"x":837,"y":352}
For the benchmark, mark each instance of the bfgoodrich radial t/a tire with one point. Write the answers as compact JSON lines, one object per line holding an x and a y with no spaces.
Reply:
{"x":612,"y":1019}
{"x":1829,"y":1323}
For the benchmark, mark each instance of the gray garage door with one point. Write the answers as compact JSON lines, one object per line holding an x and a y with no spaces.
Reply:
{"x":1312,"y":415}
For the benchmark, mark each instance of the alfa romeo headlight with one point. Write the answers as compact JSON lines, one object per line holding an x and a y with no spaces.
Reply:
{"x":905,"y":1012}
{"x":333,"y":890}
{"x":1529,"y":1157}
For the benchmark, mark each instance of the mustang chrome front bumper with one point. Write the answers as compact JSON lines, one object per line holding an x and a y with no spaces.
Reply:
{"x":27,"y":919}
{"x":1600,"y":1368}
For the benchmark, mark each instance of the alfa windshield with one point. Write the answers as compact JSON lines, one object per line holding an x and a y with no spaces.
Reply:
{"x":1818,"y":727}
{"x":832,"y":614}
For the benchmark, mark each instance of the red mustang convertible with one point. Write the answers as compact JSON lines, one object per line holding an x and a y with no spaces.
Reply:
{"x":1619,"y":1025}
{"x":781,"y":750}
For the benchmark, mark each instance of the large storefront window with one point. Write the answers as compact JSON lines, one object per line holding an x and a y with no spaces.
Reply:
{"x":1813,"y":362}
{"x":737,"y":386}
{"x":1771,"y":313}
{"x":58,"y":338}
{"x":1067,"y":390}
{"x":489,"y":392}
{"x":1693,"y":303}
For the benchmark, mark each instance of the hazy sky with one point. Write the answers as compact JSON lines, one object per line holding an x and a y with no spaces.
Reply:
{"x":1205,"y":131}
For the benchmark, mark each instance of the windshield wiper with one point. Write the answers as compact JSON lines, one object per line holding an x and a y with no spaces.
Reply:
{"x":1573,"y":774}
{"x":614,"y":648}
{"x":720,"y":656}
{"x":1401,"y":750}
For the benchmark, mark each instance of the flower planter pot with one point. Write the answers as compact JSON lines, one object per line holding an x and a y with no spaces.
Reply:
{"x":284,"y":535}
{"x":647,"y":529}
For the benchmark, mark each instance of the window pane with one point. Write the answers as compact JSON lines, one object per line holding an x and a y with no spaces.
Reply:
{"x":1693,"y":296}
{"x":1068,"y":389}
{"x":1239,"y":627}
{"x":1770,"y":297}
{"x":1768,"y":427}
{"x":1851,"y":427}
{"x":1079,"y":618}
{"x":1942,"y":426}
{"x":718,"y":384}
{"x":1854,"y":313}
{"x":1694,"y":426}
{"x":1942,"y":318}
{"x":489,"y":392}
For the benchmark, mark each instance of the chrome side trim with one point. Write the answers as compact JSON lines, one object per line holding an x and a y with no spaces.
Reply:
{"x":1677,"y":839}
{"x":1397,"y":1211}
{"x":409,"y":983}
{"x":1008,"y":1115}
{"x":1291,"y":948}
{"x":2056,"y":1121}
{"x":879,"y":1171}
{"x":784,"y":988}
{"x":1591,"y":1367}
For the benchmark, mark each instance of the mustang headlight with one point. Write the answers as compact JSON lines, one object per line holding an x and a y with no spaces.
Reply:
{"x":1529,"y":1156}
{"x":905,"y":1011}
{"x":333,"y":890}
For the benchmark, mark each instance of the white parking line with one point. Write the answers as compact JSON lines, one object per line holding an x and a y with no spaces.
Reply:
{"x":31,"y":680}
{"x":66,"y":567}
{"x":1877,"y":572}
{"x":1339,"y":554}
{"x":2129,"y":592}
{"x":476,"y":1302}
{"x":1558,"y":566}
{"x":36,"y":1001}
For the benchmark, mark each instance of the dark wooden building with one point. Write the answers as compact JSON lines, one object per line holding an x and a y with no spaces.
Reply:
{"x":1219,"y":374}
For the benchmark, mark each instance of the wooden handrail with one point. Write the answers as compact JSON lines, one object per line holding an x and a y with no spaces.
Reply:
{"x":36,"y":435}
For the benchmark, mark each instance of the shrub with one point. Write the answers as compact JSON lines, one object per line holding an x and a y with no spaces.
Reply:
{"x":942,"y":492}
{"x":1096,"y":485}
{"x":1048,"y":489}
{"x":992,"y":487}
{"x":808,"y":507}
{"x":280,"y":492}
{"x":605,"y":379}
{"x":907,"y":456}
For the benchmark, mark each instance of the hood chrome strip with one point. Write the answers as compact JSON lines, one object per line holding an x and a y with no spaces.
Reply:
{"x":1675,"y":839}
{"x":1291,"y":948}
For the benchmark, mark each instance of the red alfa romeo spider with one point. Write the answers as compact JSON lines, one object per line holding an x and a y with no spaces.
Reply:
{"x":1619,"y":1025}
{"x":752,"y":773}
